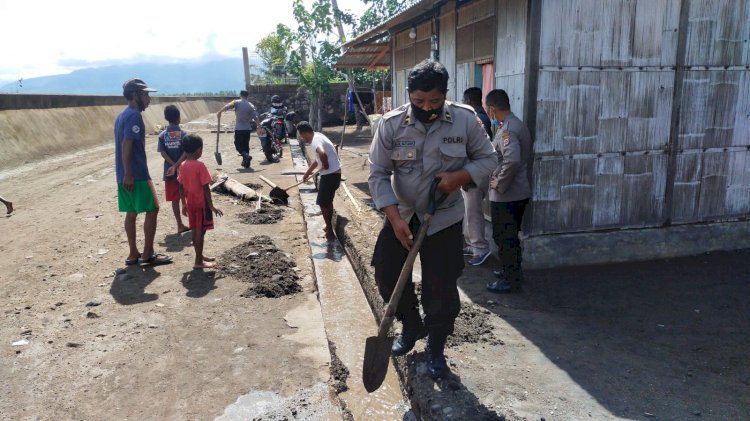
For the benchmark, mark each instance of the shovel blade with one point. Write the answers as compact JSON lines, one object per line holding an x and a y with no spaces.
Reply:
{"x":217,"y":155}
{"x":375,"y":364}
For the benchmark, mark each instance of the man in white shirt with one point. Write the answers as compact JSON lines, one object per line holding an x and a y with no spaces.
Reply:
{"x":330,"y":171}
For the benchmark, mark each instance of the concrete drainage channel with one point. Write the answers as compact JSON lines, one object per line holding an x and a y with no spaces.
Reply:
{"x":347,"y":318}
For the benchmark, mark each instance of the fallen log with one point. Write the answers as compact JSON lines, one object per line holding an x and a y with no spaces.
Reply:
{"x":237,"y":189}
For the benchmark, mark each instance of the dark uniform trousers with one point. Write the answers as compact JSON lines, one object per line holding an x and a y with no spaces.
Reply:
{"x":442,"y":263}
{"x":506,"y":223}
{"x":242,"y":141}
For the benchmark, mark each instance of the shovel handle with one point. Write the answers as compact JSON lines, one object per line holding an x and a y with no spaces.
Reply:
{"x":385,"y":324}
{"x":218,"y":129}
{"x":314,"y":173}
{"x":269,"y":182}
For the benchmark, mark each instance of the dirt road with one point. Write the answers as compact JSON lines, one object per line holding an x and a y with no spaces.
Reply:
{"x":166,"y":342}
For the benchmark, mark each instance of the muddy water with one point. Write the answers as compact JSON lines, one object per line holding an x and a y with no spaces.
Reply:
{"x":347,"y":316}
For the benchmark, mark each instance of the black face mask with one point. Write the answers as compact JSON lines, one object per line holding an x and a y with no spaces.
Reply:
{"x":426,"y":116}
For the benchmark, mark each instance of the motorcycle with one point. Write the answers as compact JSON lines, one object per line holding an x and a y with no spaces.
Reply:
{"x":270,"y":143}
{"x":280,"y":132}
{"x":291,"y":129}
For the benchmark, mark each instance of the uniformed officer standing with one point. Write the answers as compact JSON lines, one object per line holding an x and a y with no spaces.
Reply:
{"x":509,"y":190}
{"x":246,"y":121}
{"x":427,"y":138}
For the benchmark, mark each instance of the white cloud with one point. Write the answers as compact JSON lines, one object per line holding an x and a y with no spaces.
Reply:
{"x":51,"y":37}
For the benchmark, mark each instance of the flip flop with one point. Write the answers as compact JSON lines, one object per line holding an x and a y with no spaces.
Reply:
{"x":156,"y":259}
{"x":131,"y":262}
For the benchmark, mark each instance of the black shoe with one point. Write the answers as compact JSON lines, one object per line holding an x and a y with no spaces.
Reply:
{"x":437,"y":367}
{"x":405,"y":342}
{"x":501,"y":286}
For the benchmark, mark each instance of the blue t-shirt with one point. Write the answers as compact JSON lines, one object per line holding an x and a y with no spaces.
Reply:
{"x":129,"y":125}
{"x":170,"y":141}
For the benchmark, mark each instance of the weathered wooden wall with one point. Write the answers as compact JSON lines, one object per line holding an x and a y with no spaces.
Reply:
{"x":447,"y":48}
{"x":606,"y":85}
{"x":511,"y":50}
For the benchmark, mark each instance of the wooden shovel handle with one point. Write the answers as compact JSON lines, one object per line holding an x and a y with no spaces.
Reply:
{"x":269,"y":182}
{"x":314,"y":173}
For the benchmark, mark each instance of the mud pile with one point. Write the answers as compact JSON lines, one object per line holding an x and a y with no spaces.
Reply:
{"x":259,"y":262}
{"x":267,"y":215}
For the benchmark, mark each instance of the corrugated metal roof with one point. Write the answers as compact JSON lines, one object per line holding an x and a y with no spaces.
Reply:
{"x":370,"y":51}
{"x":368,"y":56}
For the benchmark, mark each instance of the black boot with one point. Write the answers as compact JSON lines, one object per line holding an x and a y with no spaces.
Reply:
{"x":405,"y":342}
{"x":412,"y":331}
{"x":435,"y":351}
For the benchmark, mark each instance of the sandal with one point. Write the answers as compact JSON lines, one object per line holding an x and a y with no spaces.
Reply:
{"x":156,"y":259}
{"x":131,"y":262}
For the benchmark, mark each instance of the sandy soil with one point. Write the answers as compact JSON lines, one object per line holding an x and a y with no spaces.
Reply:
{"x":107,"y":341}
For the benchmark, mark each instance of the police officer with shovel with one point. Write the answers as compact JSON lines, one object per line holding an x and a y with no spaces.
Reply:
{"x":425,"y":139}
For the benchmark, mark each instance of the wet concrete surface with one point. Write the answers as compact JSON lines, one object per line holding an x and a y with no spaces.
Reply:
{"x":347,"y":316}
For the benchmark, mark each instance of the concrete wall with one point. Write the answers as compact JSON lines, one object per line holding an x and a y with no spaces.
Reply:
{"x":67,"y":123}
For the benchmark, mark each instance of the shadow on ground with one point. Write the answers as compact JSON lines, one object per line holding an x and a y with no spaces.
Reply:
{"x":198,"y":282}
{"x":129,"y":284}
{"x":668,"y":338}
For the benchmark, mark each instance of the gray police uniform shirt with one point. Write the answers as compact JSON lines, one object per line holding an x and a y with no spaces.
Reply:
{"x":513,"y":146}
{"x":405,"y":155}
{"x":246,"y":114}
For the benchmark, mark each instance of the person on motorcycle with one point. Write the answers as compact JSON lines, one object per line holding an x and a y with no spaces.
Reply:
{"x":265,"y":132}
{"x":278,"y":111}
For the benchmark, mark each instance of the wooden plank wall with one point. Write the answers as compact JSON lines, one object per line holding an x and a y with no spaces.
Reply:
{"x":712,"y":178}
{"x":510,"y":55}
{"x":604,"y":109}
{"x":447,"y":48}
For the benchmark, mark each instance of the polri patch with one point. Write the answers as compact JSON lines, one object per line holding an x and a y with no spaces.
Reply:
{"x":453,"y":139}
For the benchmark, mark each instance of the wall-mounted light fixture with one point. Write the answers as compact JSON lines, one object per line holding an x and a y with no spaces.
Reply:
{"x":412,"y":33}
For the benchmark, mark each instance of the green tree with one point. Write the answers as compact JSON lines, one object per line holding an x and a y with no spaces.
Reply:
{"x":379,"y":11}
{"x":316,"y":54}
{"x":274,"y":49}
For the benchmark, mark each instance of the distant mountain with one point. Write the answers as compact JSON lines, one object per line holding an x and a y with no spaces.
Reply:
{"x":173,"y":78}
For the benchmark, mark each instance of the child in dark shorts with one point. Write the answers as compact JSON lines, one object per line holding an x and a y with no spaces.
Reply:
{"x":170,"y":146}
{"x":194,"y":189}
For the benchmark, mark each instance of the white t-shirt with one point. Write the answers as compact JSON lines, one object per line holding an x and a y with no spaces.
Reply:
{"x":319,"y":139}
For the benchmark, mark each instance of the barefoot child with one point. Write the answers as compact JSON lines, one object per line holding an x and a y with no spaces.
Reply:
{"x":194,"y":181}
{"x":170,"y":146}
{"x":330,"y":171}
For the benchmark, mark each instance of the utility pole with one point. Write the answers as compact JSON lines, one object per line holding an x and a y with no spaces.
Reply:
{"x":246,"y":63}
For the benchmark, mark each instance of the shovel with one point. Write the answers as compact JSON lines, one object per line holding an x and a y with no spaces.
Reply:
{"x":277,"y":193}
{"x":217,"y":154}
{"x":378,"y":348}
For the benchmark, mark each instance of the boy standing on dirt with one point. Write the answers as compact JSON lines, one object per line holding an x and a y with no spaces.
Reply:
{"x":170,"y":146}
{"x":194,"y":188}
{"x":135,"y":192}
{"x":330,"y":171}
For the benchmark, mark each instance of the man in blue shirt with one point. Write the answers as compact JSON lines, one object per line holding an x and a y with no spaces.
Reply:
{"x":135,"y":192}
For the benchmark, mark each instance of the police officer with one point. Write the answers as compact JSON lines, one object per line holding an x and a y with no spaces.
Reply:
{"x":427,"y":138}
{"x":246,"y":121}
{"x":477,"y":245}
{"x":509,"y":190}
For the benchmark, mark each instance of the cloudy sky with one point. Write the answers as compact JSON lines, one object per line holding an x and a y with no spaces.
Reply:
{"x":47,"y":37}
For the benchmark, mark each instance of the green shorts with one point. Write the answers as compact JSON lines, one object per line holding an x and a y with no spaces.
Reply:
{"x":141,"y":199}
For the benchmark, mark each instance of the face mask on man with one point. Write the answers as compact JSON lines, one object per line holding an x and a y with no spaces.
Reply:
{"x":426,"y":116}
